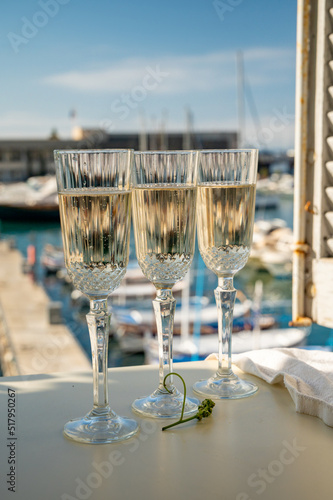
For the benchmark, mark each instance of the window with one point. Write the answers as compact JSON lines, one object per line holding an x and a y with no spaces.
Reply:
{"x":14,"y":156}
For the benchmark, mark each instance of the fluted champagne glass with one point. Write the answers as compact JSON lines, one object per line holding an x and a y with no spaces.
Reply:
{"x":95,"y":195}
{"x":225,"y":217}
{"x":164,"y":213}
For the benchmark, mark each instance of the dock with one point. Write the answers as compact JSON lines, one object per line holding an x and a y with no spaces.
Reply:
{"x":29,"y":343}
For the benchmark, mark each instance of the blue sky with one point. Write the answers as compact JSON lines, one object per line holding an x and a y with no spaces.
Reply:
{"x":125,"y":65}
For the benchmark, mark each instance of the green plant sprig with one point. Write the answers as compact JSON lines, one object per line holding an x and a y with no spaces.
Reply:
{"x":204,"y":409}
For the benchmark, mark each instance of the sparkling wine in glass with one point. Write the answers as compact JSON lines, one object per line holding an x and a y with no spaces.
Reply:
{"x":164,"y":214}
{"x":225,"y":217}
{"x":95,"y":195}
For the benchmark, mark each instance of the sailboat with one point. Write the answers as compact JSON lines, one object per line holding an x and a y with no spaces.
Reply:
{"x":199,"y":347}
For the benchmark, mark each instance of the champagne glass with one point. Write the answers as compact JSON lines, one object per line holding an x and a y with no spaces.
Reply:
{"x":164,"y":213}
{"x":95,"y":195}
{"x":225,"y":216}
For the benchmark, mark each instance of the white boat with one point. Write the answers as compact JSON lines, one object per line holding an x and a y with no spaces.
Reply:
{"x":278,"y":264}
{"x":281,"y":185}
{"x":36,"y":199}
{"x":241,"y":342}
{"x":199,"y":310}
{"x":272,"y":247}
{"x":135,"y":328}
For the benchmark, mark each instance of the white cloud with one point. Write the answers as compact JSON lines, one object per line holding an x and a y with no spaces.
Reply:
{"x":206,"y":83}
{"x":182,"y":74}
{"x":273,"y":134}
{"x":25,"y":125}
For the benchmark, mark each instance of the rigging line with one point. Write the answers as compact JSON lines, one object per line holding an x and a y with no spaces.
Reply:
{"x":252,"y":106}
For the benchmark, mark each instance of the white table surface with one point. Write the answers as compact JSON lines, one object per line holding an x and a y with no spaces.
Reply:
{"x":254,"y":448}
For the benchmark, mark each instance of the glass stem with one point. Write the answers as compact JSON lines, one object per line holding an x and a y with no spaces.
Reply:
{"x":98,"y":320}
{"x":164,"y":307}
{"x":225,"y":296}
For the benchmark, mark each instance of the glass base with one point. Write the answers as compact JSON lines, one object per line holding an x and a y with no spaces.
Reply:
{"x":162,"y":404}
{"x":225,"y":386}
{"x":94,"y":429}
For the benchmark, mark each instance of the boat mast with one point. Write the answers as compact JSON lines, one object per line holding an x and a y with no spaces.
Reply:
{"x":143,"y":139}
{"x":187,"y":136}
{"x":240,"y":99}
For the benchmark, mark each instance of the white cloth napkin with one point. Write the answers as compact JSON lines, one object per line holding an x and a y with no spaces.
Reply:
{"x":308,"y":376}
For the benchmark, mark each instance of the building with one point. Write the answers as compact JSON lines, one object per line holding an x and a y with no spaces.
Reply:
{"x":23,"y":158}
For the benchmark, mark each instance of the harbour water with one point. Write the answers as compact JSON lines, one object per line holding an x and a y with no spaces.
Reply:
{"x":276,"y":299}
